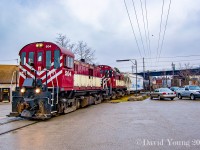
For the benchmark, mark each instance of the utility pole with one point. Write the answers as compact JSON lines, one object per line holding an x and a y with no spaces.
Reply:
{"x":132,"y":69}
{"x":165,"y":79}
{"x":136,"y":75}
{"x":149,"y":81}
{"x":173,"y":68}
{"x":143,"y":69}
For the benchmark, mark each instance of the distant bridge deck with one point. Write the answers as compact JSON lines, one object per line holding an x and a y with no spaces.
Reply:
{"x":195,"y":71}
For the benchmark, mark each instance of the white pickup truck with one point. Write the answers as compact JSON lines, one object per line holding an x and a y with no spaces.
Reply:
{"x":191,"y":91}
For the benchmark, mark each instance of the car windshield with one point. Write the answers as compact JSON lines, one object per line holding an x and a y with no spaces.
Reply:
{"x":165,"y":90}
{"x":194,"y":88}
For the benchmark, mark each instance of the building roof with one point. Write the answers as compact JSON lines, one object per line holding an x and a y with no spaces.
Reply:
{"x":6,"y":73}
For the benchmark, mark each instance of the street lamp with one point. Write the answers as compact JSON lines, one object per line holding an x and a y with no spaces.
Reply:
{"x":131,"y":60}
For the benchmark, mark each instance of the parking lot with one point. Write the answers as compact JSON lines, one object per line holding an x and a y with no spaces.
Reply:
{"x":149,"y":124}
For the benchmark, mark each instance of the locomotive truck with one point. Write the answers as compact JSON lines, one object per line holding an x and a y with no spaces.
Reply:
{"x":51,"y":82}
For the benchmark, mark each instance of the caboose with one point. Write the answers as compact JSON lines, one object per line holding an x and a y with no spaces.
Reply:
{"x":51,"y":82}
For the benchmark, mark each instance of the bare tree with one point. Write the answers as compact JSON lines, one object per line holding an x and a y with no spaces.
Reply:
{"x":63,"y":41}
{"x":185,"y":73}
{"x":82,"y":51}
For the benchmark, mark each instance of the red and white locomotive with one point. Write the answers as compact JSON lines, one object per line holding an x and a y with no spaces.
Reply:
{"x":52,"y":82}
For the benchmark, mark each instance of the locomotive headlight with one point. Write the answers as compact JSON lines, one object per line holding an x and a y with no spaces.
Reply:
{"x":22,"y":90}
{"x":37,"y":90}
{"x":40,"y":45}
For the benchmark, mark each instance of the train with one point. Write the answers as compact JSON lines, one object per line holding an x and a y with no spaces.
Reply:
{"x":131,"y":84}
{"x":51,"y":82}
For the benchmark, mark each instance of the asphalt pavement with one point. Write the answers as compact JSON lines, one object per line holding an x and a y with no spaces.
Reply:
{"x":5,"y":109}
{"x":149,"y":124}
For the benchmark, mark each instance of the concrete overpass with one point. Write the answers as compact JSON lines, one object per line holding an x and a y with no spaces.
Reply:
{"x":195,"y":71}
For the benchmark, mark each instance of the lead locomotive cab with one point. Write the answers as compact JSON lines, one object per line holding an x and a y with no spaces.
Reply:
{"x":45,"y":69}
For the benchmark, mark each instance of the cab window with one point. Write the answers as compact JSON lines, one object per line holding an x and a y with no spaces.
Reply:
{"x":56,"y":59}
{"x":48,"y":59}
{"x":69,"y":62}
{"x":23,"y":58}
{"x":39,"y":57}
{"x":31,"y":57}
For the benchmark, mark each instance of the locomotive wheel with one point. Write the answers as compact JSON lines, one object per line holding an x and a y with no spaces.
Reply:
{"x":114,"y":96}
{"x":78,"y":104}
{"x":60,"y":108}
{"x":98,"y":99}
{"x":123,"y":93}
{"x":70,"y":107}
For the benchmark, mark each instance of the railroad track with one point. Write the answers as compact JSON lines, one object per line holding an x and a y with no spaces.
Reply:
{"x":9,"y":120}
{"x":14,"y":125}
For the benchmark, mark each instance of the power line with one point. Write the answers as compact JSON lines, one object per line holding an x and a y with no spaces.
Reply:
{"x":149,"y":46}
{"x":132,"y":27}
{"x":144,"y":24}
{"x":138,"y":27}
{"x":147,"y":26}
{"x":173,"y":56}
{"x":180,"y":60}
{"x":165,"y":28}
{"x":160,"y":29}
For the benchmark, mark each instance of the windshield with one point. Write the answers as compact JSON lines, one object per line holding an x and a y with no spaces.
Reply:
{"x":194,"y":88}
{"x":23,"y":58}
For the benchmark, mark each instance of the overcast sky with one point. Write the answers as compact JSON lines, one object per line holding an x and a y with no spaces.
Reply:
{"x":105,"y":26}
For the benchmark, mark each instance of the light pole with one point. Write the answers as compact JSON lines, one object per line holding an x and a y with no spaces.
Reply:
{"x":131,"y":60}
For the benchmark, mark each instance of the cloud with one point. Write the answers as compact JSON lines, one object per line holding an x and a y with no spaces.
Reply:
{"x":104,"y":25}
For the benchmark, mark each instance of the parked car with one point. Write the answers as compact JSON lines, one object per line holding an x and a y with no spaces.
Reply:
{"x":179,"y":90}
{"x":162,"y":93}
{"x":191,"y":91}
{"x":174,"y":88}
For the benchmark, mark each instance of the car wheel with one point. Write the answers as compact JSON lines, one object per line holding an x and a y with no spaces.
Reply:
{"x":192,"y":97}
{"x":179,"y":96}
{"x":151,"y":97}
{"x":172,"y":98}
{"x":159,"y":97}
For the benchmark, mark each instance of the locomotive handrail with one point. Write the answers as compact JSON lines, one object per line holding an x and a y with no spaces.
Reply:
{"x":54,"y":71}
{"x":52,"y":85}
{"x":56,"y":86}
{"x":47,"y":99}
